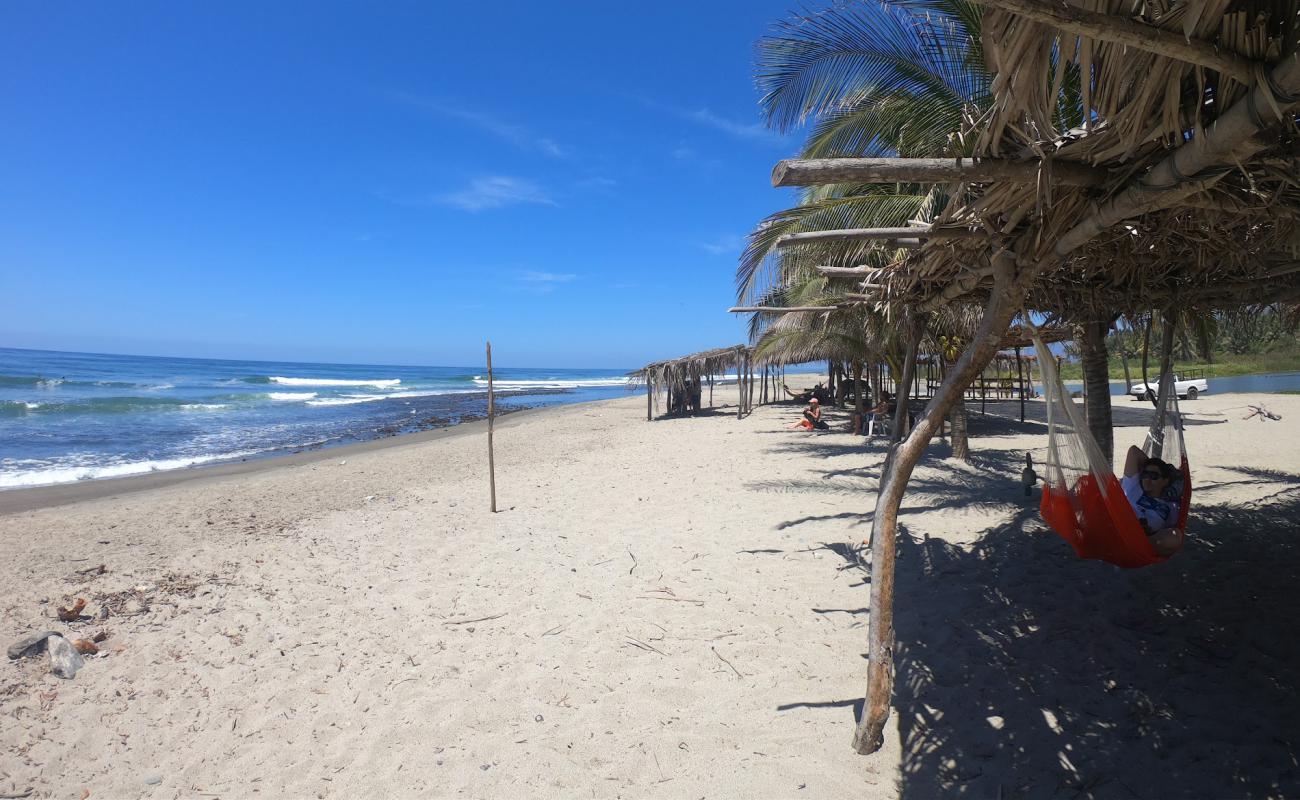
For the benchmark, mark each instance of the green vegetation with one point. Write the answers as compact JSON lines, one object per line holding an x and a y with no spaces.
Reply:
{"x":1244,"y":341}
{"x":1224,"y":365}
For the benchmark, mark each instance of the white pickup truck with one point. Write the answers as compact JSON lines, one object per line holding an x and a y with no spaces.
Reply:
{"x":1187,"y":384}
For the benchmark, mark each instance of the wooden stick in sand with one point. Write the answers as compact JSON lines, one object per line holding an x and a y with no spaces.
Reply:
{"x":492,"y":470}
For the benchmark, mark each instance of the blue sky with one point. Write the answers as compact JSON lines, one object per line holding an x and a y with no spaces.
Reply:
{"x":390,"y":183}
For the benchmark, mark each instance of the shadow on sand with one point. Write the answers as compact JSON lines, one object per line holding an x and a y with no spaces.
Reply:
{"x":1025,"y":672}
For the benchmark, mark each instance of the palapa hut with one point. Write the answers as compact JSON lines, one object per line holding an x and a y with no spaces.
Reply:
{"x":1178,"y":190}
{"x":684,"y":377}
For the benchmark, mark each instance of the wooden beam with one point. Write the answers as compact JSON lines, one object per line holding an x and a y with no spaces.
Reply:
{"x":816,"y":171}
{"x":1126,"y":31}
{"x":846,"y":272}
{"x":898,"y":237}
{"x":777,"y":309}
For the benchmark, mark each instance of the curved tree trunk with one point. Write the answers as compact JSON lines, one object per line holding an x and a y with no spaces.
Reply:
{"x":1096,"y":382}
{"x":1009,"y":288}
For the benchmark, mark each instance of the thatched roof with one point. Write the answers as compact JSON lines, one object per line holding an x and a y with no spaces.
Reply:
{"x":674,"y":373}
{"x":1180,"y":189}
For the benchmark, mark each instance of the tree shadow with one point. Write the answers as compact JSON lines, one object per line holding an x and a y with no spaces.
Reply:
{"x":1023,"y":671}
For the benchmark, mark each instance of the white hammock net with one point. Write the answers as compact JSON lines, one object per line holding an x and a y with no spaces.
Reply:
{"x":1071,"y":450}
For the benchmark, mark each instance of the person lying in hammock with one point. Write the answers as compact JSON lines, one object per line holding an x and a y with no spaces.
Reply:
{"x":1148,"y":485}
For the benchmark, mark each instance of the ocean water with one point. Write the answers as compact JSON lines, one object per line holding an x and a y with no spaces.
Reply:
{"x":77,"y":416}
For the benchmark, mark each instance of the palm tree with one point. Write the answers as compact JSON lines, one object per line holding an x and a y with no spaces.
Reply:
{"x":877,"y":79}
{"x":882,"y":78}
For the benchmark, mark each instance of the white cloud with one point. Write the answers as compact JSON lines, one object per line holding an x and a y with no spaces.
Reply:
{"x":753,"y":131}
{"x":729,"y":244}
{"x":517,"y":135}
{"x":741,"y":130}
{"x":542,"y":282}
{"x":529,"y":276}
{"x":495,"y":192}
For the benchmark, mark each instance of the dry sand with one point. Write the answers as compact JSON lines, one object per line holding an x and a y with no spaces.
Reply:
{"x":667,"y":609}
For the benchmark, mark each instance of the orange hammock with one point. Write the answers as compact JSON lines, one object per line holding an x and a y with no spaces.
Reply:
{"x":1082,"y":499}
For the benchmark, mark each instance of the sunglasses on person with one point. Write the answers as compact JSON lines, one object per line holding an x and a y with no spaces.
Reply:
{"x":1152,"y":475}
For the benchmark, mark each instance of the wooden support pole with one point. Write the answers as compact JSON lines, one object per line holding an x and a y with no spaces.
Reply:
{"x":817,"y":171}
{"x":1020,"y":374}
{"x":910,"y":234}
{"x":750,"y":366}
{"x":777,"y":309}
{"x":492,"y":469}
{"x":1129,"y":32}
{"x":903,"y":389}
{"x":649,"y":397}
{"x":1010,"y":288}
{"x":740,"y":387}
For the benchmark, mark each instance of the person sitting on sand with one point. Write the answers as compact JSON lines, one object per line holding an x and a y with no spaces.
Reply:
{"x":812,"y":417}
{"x":1148,"y":485}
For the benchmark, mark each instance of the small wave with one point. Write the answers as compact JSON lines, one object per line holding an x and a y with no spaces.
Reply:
{"x":20,"y":380}
{"x":353,"y":399}
{"x":290,"y":396}
{"x":102,"y":405}
{"x":203,"y":406}
{"x":50,"y":475}
{"x":17,"y":408}
{"x":347,"y":400}
{"x":378,"y":383}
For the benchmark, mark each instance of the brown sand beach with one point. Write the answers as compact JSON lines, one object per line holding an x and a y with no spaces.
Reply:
{"x":666,"y":609}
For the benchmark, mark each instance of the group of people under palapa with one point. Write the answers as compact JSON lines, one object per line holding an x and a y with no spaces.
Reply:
{"x":685,"y":400}
{"x":877,"y":416}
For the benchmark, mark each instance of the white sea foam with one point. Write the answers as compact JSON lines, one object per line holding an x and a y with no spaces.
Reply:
{"x":72,"y":473}
{"x":550,"y":384}
{"x":347,"y":400}
{"x":353,"y":399}
{"x":289,"y":396}
{"x":379,"y":383}
{"x":204,"y":406}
